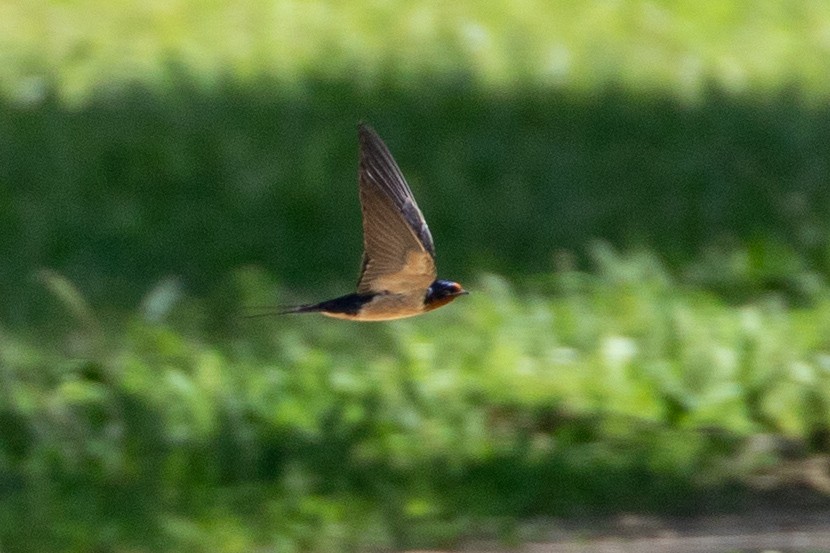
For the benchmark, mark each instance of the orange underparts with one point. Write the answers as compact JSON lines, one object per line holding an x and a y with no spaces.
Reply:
{"x":436,"y":303}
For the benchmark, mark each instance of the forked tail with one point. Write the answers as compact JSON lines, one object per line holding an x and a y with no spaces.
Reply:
{"x":270,"y":311}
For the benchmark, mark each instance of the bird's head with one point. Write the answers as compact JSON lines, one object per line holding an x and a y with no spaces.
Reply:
{"x":442,"y":292}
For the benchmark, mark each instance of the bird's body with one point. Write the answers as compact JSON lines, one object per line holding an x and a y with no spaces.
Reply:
{"x":398,"y":276}
{"x":384,"y":306}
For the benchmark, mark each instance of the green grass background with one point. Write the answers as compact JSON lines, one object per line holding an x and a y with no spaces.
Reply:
{"x":635,"y":192}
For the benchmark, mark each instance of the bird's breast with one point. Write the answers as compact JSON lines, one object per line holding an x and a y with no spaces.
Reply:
{"x":386,"y":307}
{"x":436,"y":303}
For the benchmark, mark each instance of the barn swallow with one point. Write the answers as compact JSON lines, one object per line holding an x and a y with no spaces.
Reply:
{"x":398,"y":275}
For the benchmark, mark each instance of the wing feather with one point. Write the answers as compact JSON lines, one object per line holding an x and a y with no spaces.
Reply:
{"x":398,"y":249}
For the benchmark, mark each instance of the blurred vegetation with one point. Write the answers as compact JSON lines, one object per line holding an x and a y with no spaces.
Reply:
{"x":647,"y":178}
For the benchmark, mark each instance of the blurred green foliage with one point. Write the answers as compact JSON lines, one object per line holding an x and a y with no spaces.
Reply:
{"x":617,"y":393}
{"x":675,"y":48}
{"x":119,"y":194}
{"x":649,"y":177}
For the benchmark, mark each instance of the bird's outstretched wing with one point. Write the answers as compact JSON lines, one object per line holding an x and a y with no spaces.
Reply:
{"x":399,"y":255}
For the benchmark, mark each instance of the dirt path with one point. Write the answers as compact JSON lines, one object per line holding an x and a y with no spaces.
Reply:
{"x":812,"y":542}
{"x":785,"y":509}
{"x":791,"y":527}
{"x":788,"y":530}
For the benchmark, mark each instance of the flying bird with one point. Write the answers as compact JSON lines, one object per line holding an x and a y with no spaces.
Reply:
{"x":398,"y":277}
